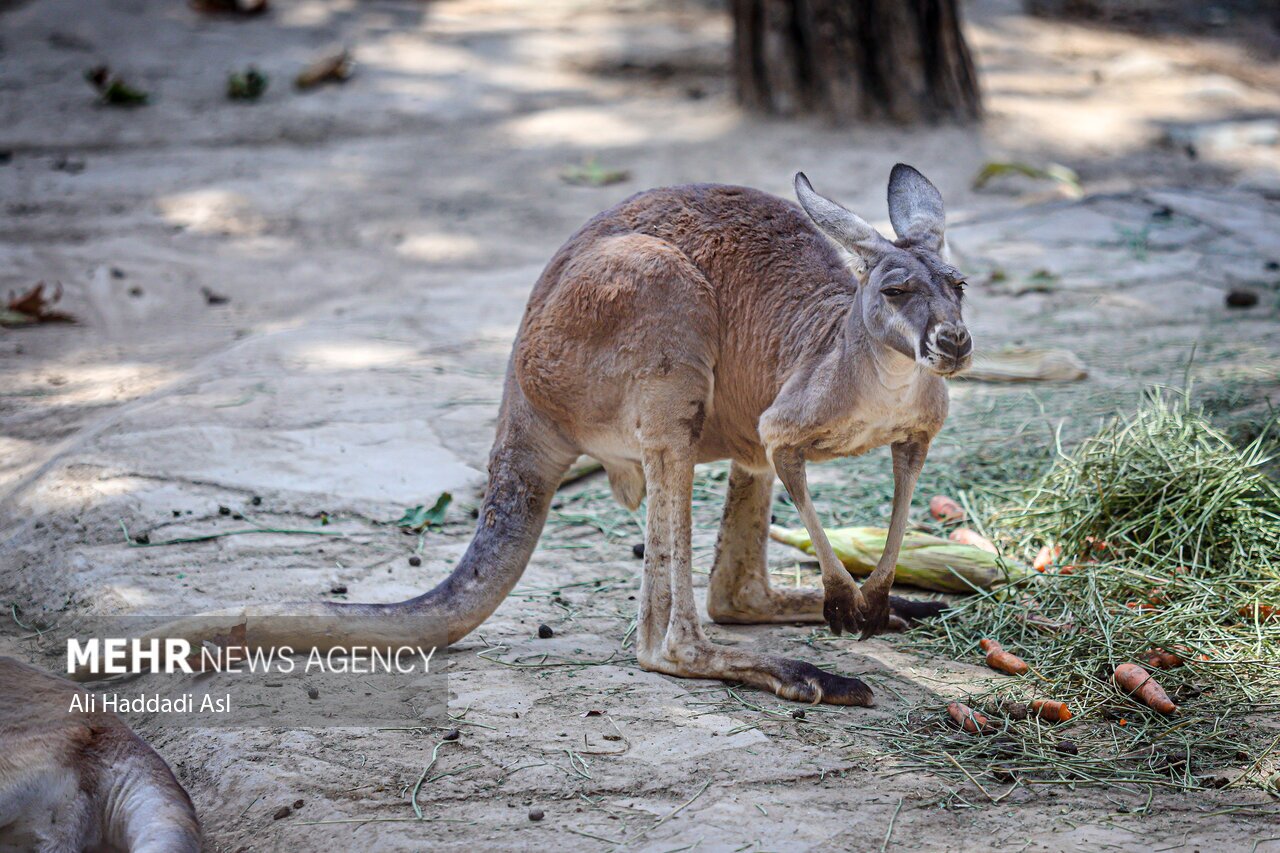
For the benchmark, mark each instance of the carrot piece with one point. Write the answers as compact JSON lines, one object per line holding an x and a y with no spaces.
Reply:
{"x":1140,"y":605}
{"x":1051,"y":711}
{"x":968,"y":719}
{"x":943,"y":508}
{"x":1136,"y":680}
{"x":1263,"y":612}
{"x":1159,"y":658}
{"x":999,"y":659}
{"x":1046,"y":557}
{"x":968,"y":536}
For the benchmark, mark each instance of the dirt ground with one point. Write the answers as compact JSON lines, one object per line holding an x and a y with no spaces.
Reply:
{"x":373,"y":244}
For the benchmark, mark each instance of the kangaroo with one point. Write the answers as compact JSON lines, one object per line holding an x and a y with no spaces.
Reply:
{"x":685,"y":325}
{"x":73,"y":781}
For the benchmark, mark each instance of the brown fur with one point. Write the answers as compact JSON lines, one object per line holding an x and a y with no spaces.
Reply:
{"x":73,"y":781}
{"x":684,"y":325}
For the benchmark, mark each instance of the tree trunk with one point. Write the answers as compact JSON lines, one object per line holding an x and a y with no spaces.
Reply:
{"x":902,"y":61}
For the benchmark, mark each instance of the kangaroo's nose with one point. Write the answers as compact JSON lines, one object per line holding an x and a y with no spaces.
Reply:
{"x":954,"y":342}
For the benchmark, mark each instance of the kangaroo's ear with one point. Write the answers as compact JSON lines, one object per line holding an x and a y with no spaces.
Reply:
{"x":847,"y":229}
{"x":915,"y":208}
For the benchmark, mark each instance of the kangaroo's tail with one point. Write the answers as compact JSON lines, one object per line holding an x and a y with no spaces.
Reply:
{"x":916,"y":608}
{"x":147,"y":810}
{"x":528,"y":459}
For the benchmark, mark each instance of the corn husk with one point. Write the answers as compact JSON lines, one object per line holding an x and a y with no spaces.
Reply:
{"x":928,"y":562}
{"x":1025,"y":364}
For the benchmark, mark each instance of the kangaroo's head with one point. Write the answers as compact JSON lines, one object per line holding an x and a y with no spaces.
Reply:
{"x":910,"y":297}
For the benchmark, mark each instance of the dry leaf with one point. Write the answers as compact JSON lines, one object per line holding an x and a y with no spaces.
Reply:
{"x":33,"y":307}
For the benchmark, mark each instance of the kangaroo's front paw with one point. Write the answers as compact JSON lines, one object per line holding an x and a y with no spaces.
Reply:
{"x":873,"y":616}
{"x":840,"y":607}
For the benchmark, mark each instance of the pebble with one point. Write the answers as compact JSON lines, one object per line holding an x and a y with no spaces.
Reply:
{"x":282,"y":812}
{"x":313,"y":692}
{"x":452,"y":734}
{"x":224,"y":510}
{"x":1069,"y":747}
{"x":415,"y":561}
{"x":545,"y":632}
{"x":536,"y":815}
{"x":1241,"y":298}
{"x":339,"y":589}
{"x":637,"y":550}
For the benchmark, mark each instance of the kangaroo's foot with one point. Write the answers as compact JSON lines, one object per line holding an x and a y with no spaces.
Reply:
{"x":803,"y":604}
{"x":791,"y":679}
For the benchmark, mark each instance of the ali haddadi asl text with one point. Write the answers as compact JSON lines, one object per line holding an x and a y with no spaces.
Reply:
{"x":144,"y":703}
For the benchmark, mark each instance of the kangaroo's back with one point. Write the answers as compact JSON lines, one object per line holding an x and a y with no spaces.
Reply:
{"x":728,"y":278}
{"x":744,"y":241}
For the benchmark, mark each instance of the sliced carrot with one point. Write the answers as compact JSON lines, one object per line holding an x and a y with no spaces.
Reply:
{"x":944,"y":508}
{"x":1046,"y":557}
{"x":1137,"y":681}
{"x":968,"y":536}
{"x":1052,"y":711}
{"x":1098,"y":544}
{"x":1159,"y":658}
{"x":999,"y":659}
{"x":968,"y":719}
{"x":1263,"y":612}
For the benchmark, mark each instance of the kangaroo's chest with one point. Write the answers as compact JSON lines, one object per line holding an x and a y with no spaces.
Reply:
{"x":875,"y":420}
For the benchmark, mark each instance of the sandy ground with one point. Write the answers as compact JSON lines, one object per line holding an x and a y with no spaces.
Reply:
{"x":375,"y":243}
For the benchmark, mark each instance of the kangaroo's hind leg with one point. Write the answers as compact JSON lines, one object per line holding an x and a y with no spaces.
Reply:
{"x":680,"y":647}
{"x":740,"y":592}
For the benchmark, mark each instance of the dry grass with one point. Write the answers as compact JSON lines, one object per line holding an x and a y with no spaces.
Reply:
{"x":1190,"y":525}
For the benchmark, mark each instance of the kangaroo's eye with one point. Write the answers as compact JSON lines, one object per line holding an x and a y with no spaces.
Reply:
{"x":893,"y":291}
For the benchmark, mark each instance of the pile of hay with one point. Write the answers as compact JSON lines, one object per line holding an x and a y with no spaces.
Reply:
{"x":1169,"y":537}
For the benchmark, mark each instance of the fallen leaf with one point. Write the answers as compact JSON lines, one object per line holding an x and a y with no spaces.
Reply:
{"x":247,"y":85}
{"x":419,"y":518}
{"x":591,"y":174}
{"x":336,"y":68}
{"x":1055,"y":172}
{"x":113,"y":90}
{"x":33,"y":307}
